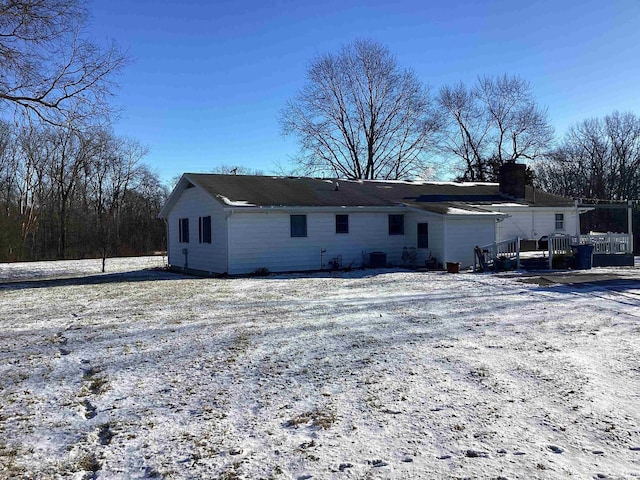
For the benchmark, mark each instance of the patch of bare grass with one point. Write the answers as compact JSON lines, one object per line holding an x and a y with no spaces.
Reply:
{"x":315,"y":418}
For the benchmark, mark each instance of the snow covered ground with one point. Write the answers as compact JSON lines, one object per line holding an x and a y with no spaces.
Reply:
{"x":71,"y":268}
{"x":366,"y":374}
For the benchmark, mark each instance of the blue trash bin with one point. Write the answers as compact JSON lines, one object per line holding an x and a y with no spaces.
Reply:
{"x":583,"y":256}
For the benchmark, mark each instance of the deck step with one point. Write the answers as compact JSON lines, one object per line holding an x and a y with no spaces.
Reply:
{"x":536,"y":263}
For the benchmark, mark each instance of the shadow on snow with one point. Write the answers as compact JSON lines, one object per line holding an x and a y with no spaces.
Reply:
{"x":97,"y":279}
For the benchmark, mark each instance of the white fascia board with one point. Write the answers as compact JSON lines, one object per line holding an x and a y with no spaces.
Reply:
{"x":173,"y":197}
{"x":454,"y":212}
{"x":530,"y":208}
{"x":312,"y":208}
{"x":177,"y":191}
{"x":459,"y":212}
{"x":209,"y":194}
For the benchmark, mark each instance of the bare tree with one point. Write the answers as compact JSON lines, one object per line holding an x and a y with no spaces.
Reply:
{"x":495,"y":121}
{"x":361,"y":116}
{"x":69,"y":156}
{"x":598,"y":158}
{"x":555,"y":173}
{"x":33,"y":153}
{"x":466,"y":135}
{"x":47,"y":69}
{"x":71,"y":193}
{"x":10,"y":237}
{"x":110,"y":174}
{"x":7,"y":163}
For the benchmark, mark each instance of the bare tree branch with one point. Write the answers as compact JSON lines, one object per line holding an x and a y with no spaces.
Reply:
{"x":361,"y":116}
{"x":493,"y":122}
{"x":598,"y":159}
{"x":47,"y":70}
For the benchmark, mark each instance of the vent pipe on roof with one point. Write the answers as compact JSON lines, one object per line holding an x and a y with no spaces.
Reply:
{"x":337,"y":187}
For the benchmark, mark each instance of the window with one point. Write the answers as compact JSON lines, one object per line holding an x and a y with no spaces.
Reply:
{"x":183,"y":230}
{"x":342,"y":223}
{"x":298,"y":225}
{"x":204,"y":229}
{"x":423,"y":235}
{"x":396,"y":224}
{"x":559,"y":221}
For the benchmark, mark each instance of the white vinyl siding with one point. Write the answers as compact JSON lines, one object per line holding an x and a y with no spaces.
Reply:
{"x":464,"y":233}
{"x":193,"y":203}
{"x":534,"y":222}
{"x":260,"y":239}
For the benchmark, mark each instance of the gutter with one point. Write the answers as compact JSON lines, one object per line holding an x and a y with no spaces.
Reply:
{"x":315,"y":208}
{"x":166,"y":236}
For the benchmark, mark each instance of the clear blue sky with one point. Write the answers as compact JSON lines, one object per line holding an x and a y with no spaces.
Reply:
{"x":210,"y":77}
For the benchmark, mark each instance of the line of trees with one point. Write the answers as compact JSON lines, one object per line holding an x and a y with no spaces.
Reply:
{"x":598,"y":158}
{"x":69,"y":188}
{"x":67,"y":193}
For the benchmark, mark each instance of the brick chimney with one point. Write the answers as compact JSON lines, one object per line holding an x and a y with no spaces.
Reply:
{"x":512,"y":179}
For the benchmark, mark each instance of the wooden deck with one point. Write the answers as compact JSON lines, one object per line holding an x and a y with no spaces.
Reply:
{"x":610,"y":249}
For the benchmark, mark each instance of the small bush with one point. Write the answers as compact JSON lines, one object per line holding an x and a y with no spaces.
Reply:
{"x":260,"y":272}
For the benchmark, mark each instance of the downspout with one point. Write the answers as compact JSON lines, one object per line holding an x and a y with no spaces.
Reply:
{"x":630,"y":224}
{"x":497,"y":230}
{"x":185,"y":252}
{"x":166,"y":237}
{"x":444,"y":240}
{"x":577,"y":220}
{"x":227,"y":221}
{"x":534,"y":234}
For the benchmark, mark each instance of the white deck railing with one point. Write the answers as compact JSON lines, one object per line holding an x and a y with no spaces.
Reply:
{"x":606,"y":243}
{"x":559,"y":244}
{"x":609,"y":243}
{"x":504,"y":250}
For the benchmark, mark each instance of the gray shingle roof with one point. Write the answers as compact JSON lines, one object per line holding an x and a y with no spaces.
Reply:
{"x":264,"y":191}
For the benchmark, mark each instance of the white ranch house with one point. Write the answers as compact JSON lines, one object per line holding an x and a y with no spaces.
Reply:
{"x":239,"y":224}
